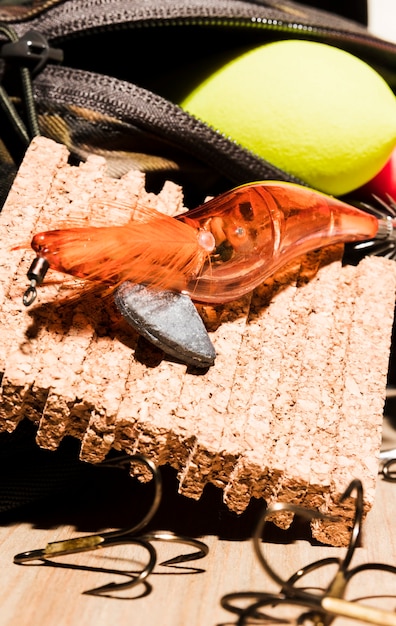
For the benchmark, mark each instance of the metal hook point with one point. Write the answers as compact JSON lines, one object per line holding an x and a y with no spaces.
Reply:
{"x":388,"y":471}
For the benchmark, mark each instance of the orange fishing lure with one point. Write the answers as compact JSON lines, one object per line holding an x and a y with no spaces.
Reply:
{"x":216,"y":252}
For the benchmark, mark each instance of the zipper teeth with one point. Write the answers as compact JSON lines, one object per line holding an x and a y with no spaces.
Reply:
{"x":268,"y":24}
{"x":225,"y":22}
{"x":254,"y":22}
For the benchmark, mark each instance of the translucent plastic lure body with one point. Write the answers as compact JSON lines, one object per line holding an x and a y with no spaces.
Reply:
{"x":216,"y":252}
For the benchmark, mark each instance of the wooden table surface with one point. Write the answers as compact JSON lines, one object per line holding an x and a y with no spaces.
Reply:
{"x":47,"y":596}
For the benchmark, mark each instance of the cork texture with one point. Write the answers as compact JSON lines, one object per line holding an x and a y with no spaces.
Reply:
{"x":291,"y":410}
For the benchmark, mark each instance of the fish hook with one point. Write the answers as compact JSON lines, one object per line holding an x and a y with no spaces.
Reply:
{"x":388,"y":464}
{"x":387,"y":471}
{"x":128,"y":535}
{"x":323,"y":607}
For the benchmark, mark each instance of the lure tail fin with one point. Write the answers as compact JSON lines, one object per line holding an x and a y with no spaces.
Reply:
{"x":159,"y":250}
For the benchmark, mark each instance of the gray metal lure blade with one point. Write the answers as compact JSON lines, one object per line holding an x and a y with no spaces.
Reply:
{"x":167,"y":319}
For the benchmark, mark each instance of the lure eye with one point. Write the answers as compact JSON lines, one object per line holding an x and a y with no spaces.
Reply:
{"x":238,"y":236}
{"x":239,"y":232}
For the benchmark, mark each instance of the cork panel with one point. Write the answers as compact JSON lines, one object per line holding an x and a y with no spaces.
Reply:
{"x":19,"y":217}
{"x":360,"y":415}
{"x":248,"y":416}
{"x":204,"y":401}
{"x":87,"y":351}
{"x":271,"y":419}
{"x":279,"y":344}
{"x":45,"y":326}
{"x":251,"y":404}
{"x":308,"y":391}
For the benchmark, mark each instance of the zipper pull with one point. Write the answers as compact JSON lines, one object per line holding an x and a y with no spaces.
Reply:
{"x":32,"y":50}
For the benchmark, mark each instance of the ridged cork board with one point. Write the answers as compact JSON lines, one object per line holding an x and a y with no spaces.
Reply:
{"x":292,"y":408}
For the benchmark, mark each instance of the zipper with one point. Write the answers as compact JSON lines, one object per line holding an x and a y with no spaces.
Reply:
{"x":258,"y":23}
{"x":62,"y":21}
{"x":66,"y":21}
{"x":198,"y":15}
{"x":153,"y":114}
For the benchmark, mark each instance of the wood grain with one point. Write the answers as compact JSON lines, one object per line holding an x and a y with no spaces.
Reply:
{"x":34,"y":594}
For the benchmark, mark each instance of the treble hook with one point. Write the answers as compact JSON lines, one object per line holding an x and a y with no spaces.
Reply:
{"x":123,"y":536}
{"x":322,"y":608}
{"x":388,"y":464}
